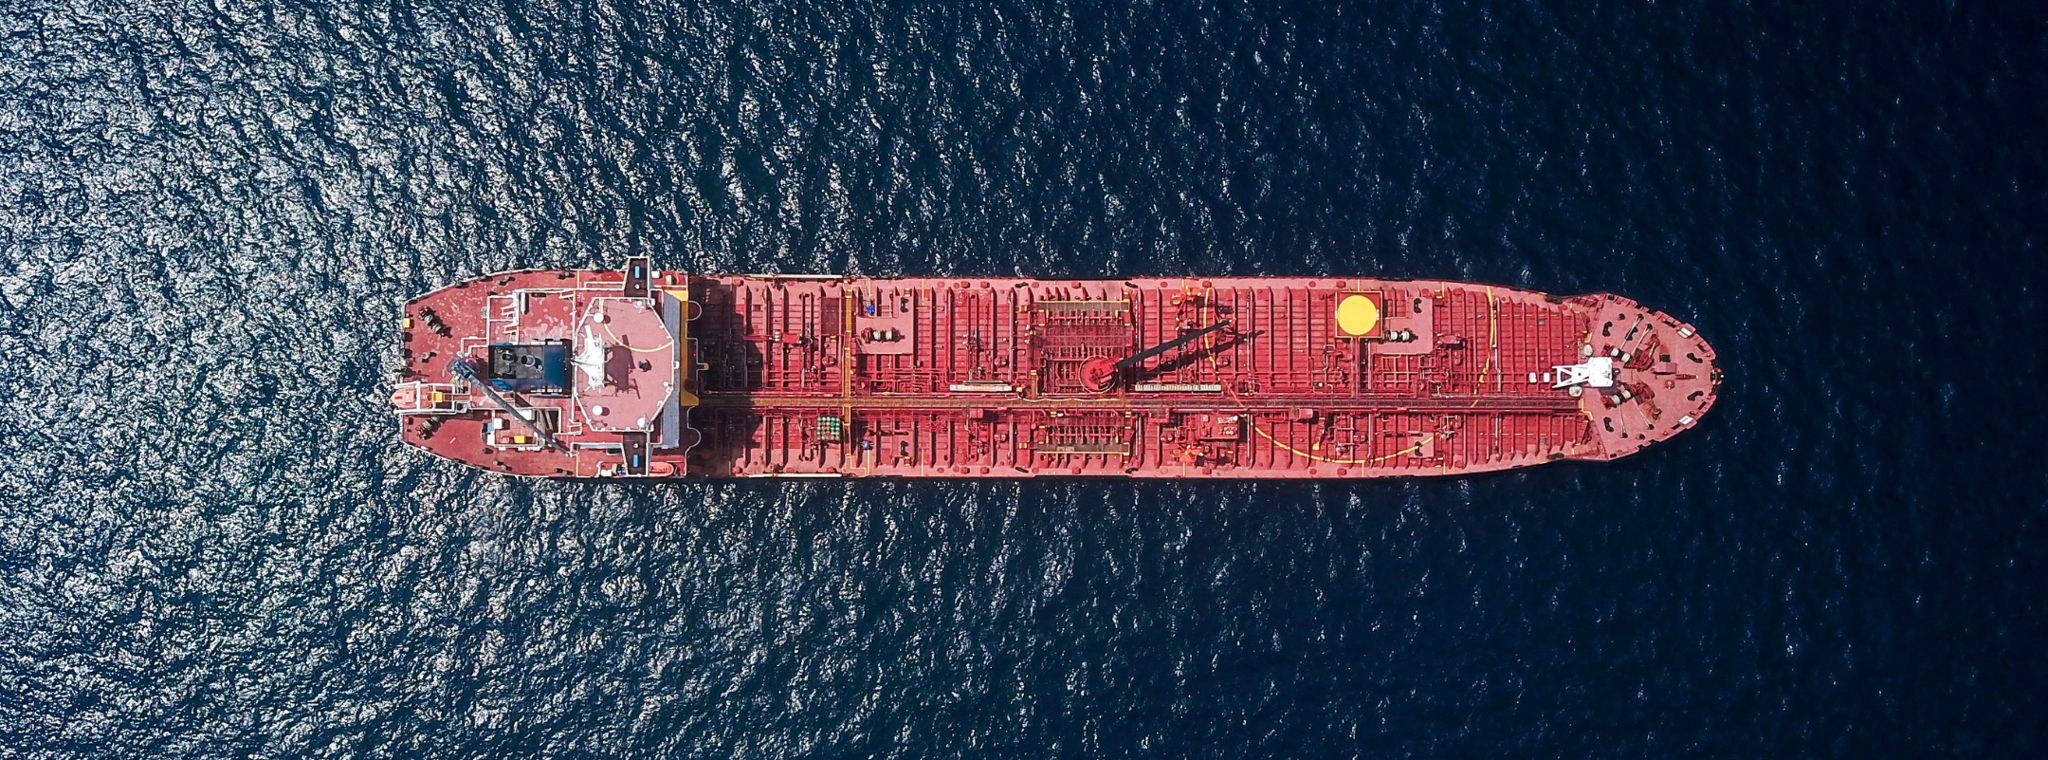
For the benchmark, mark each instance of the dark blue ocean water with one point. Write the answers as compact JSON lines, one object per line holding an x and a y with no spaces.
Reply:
{"x":213,"y":545}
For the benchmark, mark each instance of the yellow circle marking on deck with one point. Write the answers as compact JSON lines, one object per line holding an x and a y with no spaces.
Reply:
{"x":1357,"y":315}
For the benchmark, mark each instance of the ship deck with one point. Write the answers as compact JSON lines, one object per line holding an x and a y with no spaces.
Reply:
{"x":973,"y":377}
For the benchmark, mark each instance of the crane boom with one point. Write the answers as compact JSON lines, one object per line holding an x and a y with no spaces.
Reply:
{"x":466,"y":371}
{"x":1139,"y":358}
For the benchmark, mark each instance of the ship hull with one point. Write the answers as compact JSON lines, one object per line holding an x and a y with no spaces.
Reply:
{"x":677,"y":376}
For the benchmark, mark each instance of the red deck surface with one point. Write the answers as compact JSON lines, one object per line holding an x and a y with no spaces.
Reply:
{"x":982,"y":377}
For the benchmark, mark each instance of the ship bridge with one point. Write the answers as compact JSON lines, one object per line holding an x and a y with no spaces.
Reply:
{"x":563,"y":364}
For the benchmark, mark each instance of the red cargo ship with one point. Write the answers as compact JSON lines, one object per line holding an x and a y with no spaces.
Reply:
{"x":640,"y":373}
